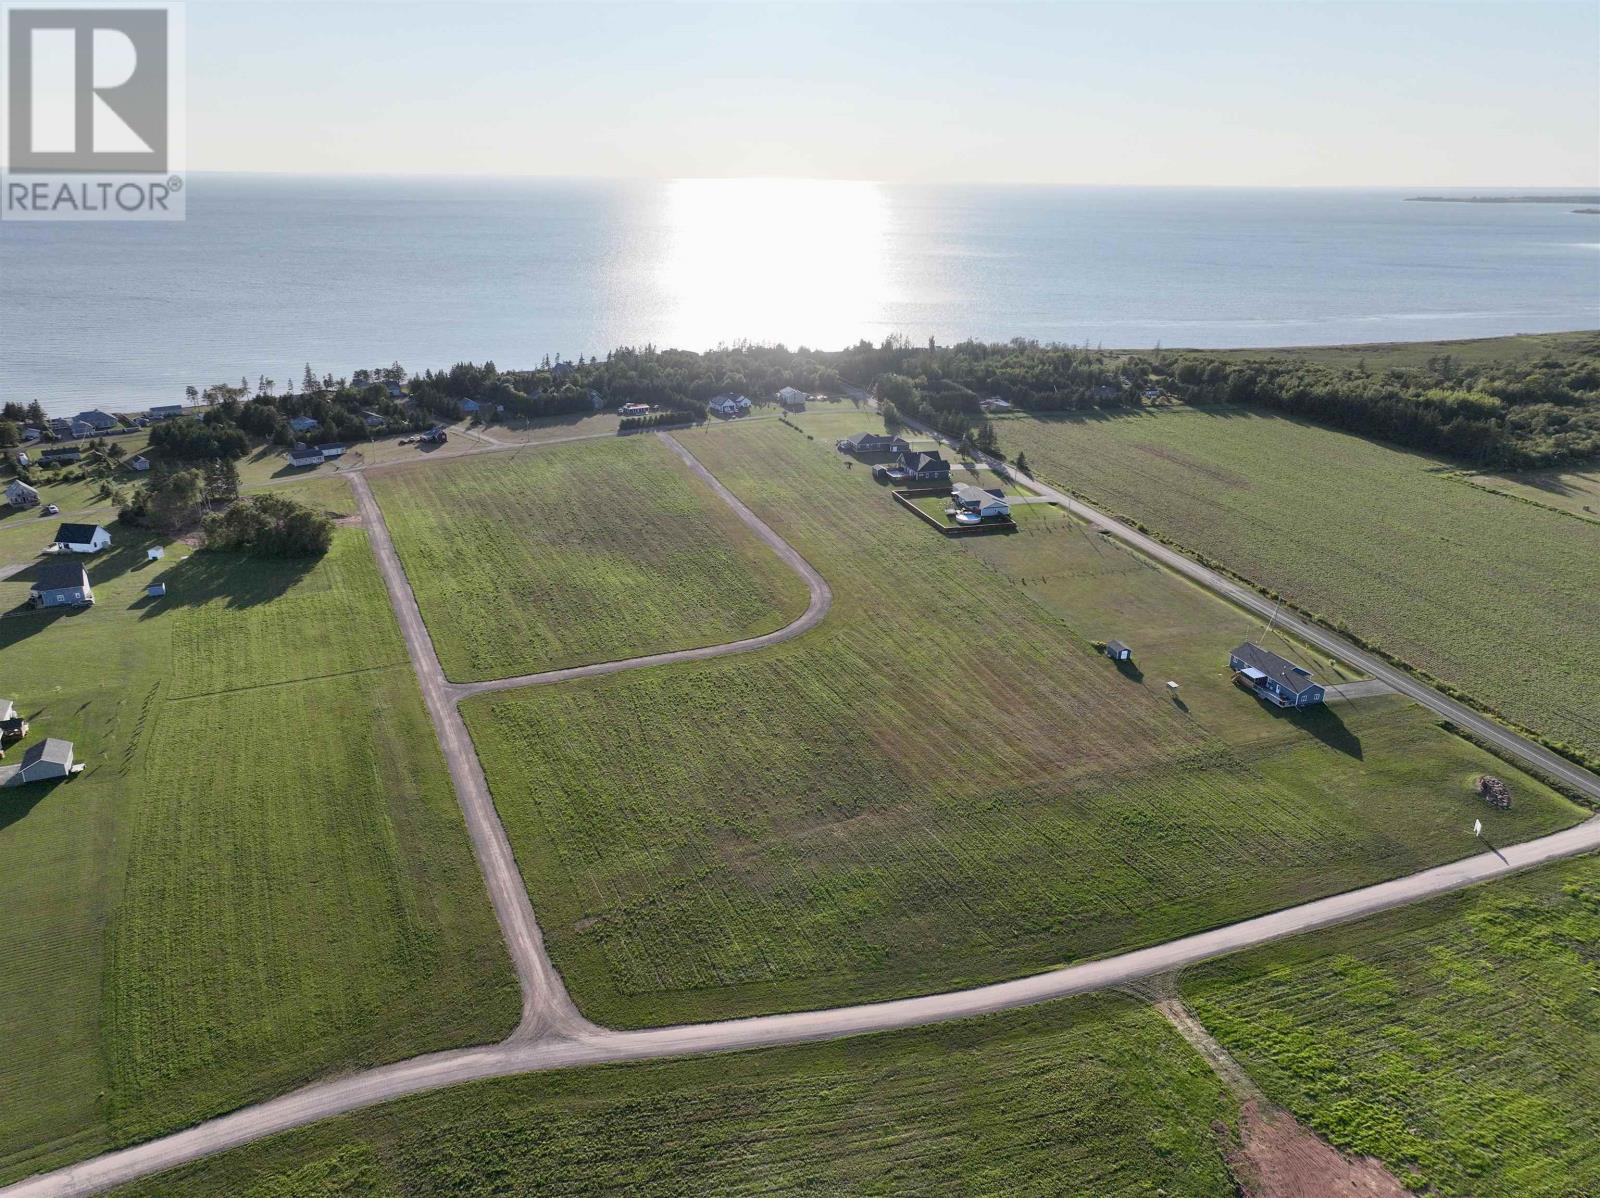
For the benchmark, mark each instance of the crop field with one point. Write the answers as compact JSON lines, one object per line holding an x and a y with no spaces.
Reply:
{"x":1494,"y":596}
{"x":576,"y":554}
{"x":262,"y":874}
{"x":1458,"y":1041}
{"x":941,"y":785}
{"x":1094,"y":1097}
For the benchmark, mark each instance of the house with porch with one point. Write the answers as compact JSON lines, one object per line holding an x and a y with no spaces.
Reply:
{"x":1275,"y":679}
{"x":80,"y":538}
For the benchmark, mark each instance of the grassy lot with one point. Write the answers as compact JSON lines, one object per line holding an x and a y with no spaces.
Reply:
{"x":1457,"y":1041}
{"x":575,"y":554}
{"x":1092,"y":1097}
{"x":1494,"y":596}
{"x":262,"y":875}
{"x":1401,"y":355}
{"x":941,"y":785}
{"x":1574,"y":491}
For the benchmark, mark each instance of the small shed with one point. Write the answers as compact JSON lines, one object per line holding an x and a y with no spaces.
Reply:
{"x":44,"y":760}
{"x":140,"y":463}
{"x":155,"y":553}
{"x":156,"y":590}
{"x":1117,"y":651}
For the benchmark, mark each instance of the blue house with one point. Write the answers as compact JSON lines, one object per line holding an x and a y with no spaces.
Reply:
{"x":1274,"y":678}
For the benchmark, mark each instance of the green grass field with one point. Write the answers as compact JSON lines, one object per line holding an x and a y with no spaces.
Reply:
{"x":1092,"y":1097}
{"x":942,"y":785}
{"x":575,"y":554}
{"x":1494,"y":596}
{"x":1401,"y":355}
{"x":1458,"y":1041}
{"x":1574,"y":491}
{"x":262,"y":875}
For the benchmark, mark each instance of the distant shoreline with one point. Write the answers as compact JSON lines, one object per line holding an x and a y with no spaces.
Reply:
{"x":1567,"y":199}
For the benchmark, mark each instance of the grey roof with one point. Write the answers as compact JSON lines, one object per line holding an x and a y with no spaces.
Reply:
{"x":1280,"y":669}
{"x":968,"y":493}
{"x":76,"y":534}
{"x":55,"y":576}
{"x":1117,"y":647}
{"x":921,"y":463}
{"x":49,"y":749}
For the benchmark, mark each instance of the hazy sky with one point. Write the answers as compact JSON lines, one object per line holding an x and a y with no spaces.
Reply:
{"x":1283,"y":93}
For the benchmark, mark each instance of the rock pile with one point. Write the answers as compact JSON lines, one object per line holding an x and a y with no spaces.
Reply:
{"x":1494,"y":791}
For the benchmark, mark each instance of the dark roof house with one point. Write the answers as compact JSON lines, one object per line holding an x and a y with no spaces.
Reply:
{"x":873,"y":443}
{"x":61,"y":584}
{"x":1275,"y":678}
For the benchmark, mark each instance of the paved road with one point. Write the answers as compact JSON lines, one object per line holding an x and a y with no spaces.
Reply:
{"x":821,"y":599}
{"x":554,"y":1035}
{"x":1481,"y":726}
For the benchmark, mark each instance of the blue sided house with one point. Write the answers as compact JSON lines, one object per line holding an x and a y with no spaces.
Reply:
{"x":1274,"y":678}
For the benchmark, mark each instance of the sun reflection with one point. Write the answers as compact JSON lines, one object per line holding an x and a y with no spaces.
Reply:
{"x":793,"y":260}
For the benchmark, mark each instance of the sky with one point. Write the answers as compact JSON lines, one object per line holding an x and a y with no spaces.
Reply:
{"x":1287,"y":93}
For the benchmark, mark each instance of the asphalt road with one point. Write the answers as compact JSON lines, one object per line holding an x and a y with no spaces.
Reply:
{"x":554,"y":1035}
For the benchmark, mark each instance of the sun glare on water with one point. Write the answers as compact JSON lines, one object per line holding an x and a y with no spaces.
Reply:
{"x":793,"y":260}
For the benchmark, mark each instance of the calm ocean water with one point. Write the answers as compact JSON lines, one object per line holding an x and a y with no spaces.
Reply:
{"x":270,"y":273}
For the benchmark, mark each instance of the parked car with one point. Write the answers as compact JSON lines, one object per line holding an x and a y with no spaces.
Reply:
{"x":50,"y":509}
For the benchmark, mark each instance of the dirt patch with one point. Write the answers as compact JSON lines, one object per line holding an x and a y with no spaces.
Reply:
{"x":1278,"y":1158}
{"x":1275,"y":1157}
{"x":349,"y":521}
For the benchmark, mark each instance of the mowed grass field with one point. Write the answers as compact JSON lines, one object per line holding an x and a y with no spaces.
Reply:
{"x":1459,"y":1041}
{"x":941,"y":785}
{"x":1497,"y":597}
{"x":261,"y":876}
{"x":1093,"y":1097}
{"x":575,"y":554}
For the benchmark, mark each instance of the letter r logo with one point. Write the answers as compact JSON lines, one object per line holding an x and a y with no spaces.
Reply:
{"x":87,"y":89}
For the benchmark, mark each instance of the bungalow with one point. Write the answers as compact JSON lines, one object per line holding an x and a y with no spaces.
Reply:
{"x":469,"y":407}
{"x":922,"y":468}
{"x":302,"y":424}
{"x":305,"y":455}
{"x":19,"y":494}
{"x":792,"y":399}
{"x":729,"y":405}
{"x":330,"y":452}
{"x":61,"y":584}
{"x":865,"y":443}
{"x":1117,"y":651}
{"x":984,"y":502}
{"x":139,"y":462}
{"x":65,"y":455}
{"x":374,"y":419}
{"x":44,"y":761}
{"x":165,"y":411}
{"x":98,"y":420}
{"x":1273,"y":678}
{"x":80,"y":538}
{"x":629,"y":410}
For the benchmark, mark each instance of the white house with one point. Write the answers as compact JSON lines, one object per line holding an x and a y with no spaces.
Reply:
{"x":80,"y":538}
{"x":19,"y":494}
{"x":46,"y":759}
{"x":305,"y":455}
{"x":984,"y":503}
{"x":139,"y":462}
{"x":792,"y":399}
{"x":729,"y":404}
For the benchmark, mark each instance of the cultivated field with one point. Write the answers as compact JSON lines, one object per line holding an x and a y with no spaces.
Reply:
{"x":941,"y":785}
{"x":1495,"y":596}
{"x":261,"y":876}
{"x":1574,"y":491}
{"x":1458,"y":1041}
{"x":1094,"y":1096}
{"x":576,"y":554}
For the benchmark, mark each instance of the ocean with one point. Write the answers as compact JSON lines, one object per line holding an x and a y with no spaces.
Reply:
{"x":271,"y":273}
